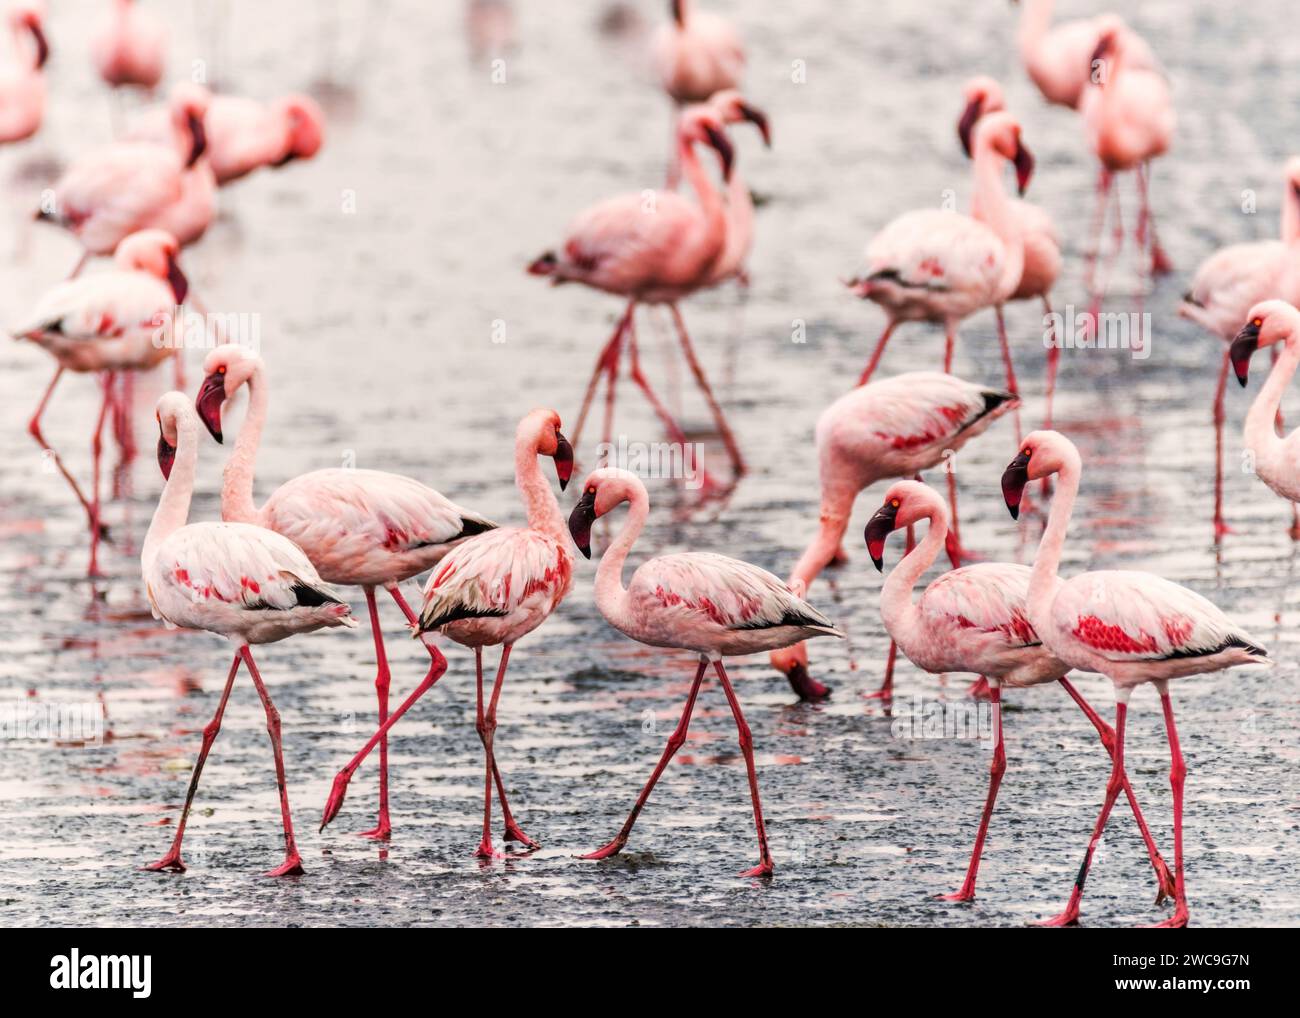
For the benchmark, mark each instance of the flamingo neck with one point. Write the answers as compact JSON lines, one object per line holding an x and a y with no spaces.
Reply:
{"x":708,"y":196}
{"x":897,"y":609}
{"x":1042,"y":579}
{"x":992,"y":207}
{"x":837,"y":507}
{"x":1035,"y":20}
{"x":237,"y":479}
{"x":611,"y":595}
{"x":542,"y":509}
{"x":174,"y":504}
{"x":1261,"y":430}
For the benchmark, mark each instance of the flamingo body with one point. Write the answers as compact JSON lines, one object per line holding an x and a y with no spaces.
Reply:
{"x":130,"y":47}
{"x":22,"y":76}
{"x":697,"y":55}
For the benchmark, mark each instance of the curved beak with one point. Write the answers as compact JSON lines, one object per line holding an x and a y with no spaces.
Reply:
{"x":722,"y":144}
{"x":1246,"y":343}
{"x":1024,"y":166}
{"x":580,"y":521}
{"x":563,"y":460}
{"x":166,"y":454}
{"x":176,"y":279}
{"x":967,"y":122}
{"x":198,"y":139}
{"x":1014,"y":479}
{"x":212,"y":394}
{"x":679,"y":14}
{"x":42,"y":45}
{"x":879,"y":527}
{"x":759,"y":119}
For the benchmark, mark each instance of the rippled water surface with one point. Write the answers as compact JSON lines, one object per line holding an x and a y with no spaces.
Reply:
{"x":385,"y":272}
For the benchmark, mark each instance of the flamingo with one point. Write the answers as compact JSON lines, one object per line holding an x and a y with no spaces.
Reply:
{"x":941,"y":266}
{"x":652,"y":248}
{"x":245,"y":583}
{"x":244,"y":135}
{"x":709,"y":604}
{"x":1226,"y":286}
{"x":1131,"y":627}
{"x":108,"y":322}
{"x":22,"y":78}
{"x":129,"y":48}
{"x":359,"y":527}
{"x":132,"y":185}
{"x":893,"y":427}
{"x":974,"y":619}
{"x":492,"y":590}
{"x":732,"y":108}
{"x":1129,"y":120}
{"x":1042,"y":243}
{"x":697,"y":54}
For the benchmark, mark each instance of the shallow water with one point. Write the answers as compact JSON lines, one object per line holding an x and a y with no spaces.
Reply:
{"x":378,"y":327}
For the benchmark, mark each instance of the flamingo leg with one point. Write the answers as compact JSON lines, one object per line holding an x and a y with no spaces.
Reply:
{"x":1012,"y":387}
{"x":1177,"y":777}
{"x":292,"y":865}
{"x":601,"y":368}
{"x":952,"y":542}
{"x":34,"y":429}
{"x":611,"y":385}
{"x":719,"y":419}
{"x":1096,"y":227}
{"x":746,"y":738}
{"x":997,"y":768}
{"x":1220,"y":527}
{"x":383,"y":830}
{"x":1108,"y":267}
{"x":96,"y":455}
{"x":172,"y":860}
{"x":1160,"y":262}
{"x":671,"y":426}
{"x":1070,"y":917}
{"x":886,"y":690}
{"x":877,"y":353}
{"x":674,"y":744}
{"x":949,"y":345}
{"x":487,"y":726}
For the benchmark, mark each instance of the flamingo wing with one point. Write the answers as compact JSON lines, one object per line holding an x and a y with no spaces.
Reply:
{"x":931,"y":250}
{"x":625,"y":241}
{"x":1231,"y":281}
{"x":989,"y":597}
{"x":107,"y":194}
{"x":99,"y":306}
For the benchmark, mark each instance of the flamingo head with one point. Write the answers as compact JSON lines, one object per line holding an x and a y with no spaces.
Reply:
{"x":1042,"y":453}
{"x":541,"y":429}
{"x":172,"y":413}
{"x":678,"y":8}
{"x":154,"y":252}
{"x":981,"y":95}
{"x":304,"y":122}
{"x":1109,"y":48}
{"x":906,"y":502}
{"x":225,"y":369}
{"x":30,"y":17}
{"x":1270,"y":321}
{"x":732,"y":108}
{"x":701,"y":123}
{"x":1001,"y":133}
{"x":189,"y":106}
{"x":604,"y":490}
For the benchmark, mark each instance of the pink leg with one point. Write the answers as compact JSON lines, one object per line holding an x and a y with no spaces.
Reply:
{"x":96,"y":455}
{"x":764,"y":867}
{"x":1095,"y":230}
{"x":1220,"y":527}
{"x":719,"y":419}
{"x":1107,"y":267}
{"x":674,"y":744}
{"x":1177,"y":776}
{"x":172,"y":860}
{"x":1160,"y":263}
{"x":1070,"y":917}
{"x":292,"y":865}
{"x":949,"y":345}
{"x":601,"y":369}
{"x":953,"y":542}
{"x":611,"y":384}
{"x":997,"y":768}
{"x":671,"y":426}
{"x":1012,"y":387}
{"x":383,"y":830}
{"x":487,"y":726}
{"x":876,"y":354}
{"x":34,"y":429}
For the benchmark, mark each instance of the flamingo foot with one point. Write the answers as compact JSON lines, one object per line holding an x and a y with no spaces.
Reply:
{"x":515,"y":833}
{"x":965,"y":894}
{"x":170,"y":863}
{"x":1222,"y":530}
{"x":291,"y":867}
{"x":1175,"y":922}
{"x":883,"y":693}
{"x":763,"y":869}
{"x":1070,"y":917}
{"x":486,"y":851}
{"x":808,"y":688}
{"x":335,"y":802}
{"x":383,"y":831}
{"x":608,"y":852}
{"x":1167,"y":889}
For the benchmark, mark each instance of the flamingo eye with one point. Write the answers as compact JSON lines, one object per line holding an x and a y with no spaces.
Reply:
{"x":1257,"y":322}
{"x":894,"y":502}
{"x":221,"y":370}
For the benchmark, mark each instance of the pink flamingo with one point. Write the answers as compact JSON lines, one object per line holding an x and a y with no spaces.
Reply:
{"x":697,"y":55}
{"x":245,"y":583}
{"x":894,"y":427}
{"x":652,"y":248}
{"x":974,"y":619}
{"x":108,"y":322}
{"x":941,"y":266}
{"x":133,"y":185}
{"x":1129,"y":120}
{"x":1226,"y":286}
{"x":1042,"y":243}
{"x":732,"y":108}
{"x":491,"y":591}
{"x":22,"y":78}
{"x":244,"y":135}
{"x":359,"y":527}
{"x":709,"y":604}
{"x":1131,"y":627}
{"x":130,"y":47}
{"x":1057,"y":57}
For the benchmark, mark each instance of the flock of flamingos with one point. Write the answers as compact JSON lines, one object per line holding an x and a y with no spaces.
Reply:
{"x":272,"y":570}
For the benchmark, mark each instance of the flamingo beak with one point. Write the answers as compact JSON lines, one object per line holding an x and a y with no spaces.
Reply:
{"x":967,"y":122}
{"x":1014,"y":479}
{"x":42,"y":45}
{"x":879,"y":527}
{"x":719,"y":140}
{"x":563,"y":460}
{"x":759,"y":119}
{"x":176,"y":279}
{"x":581,"y":519}
{"x":166,"y":454}
{"x":679,"y":15}
{"x":1246,"y":343}
{"x":1024,"y":166}
{"x":212,"y":394}
{"x":198,"y":139}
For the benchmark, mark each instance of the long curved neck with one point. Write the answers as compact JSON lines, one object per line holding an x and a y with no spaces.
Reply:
{"x":837,"y":507}
{"x":237,"y":479}
{"x":174,"y":504}
{"x":611,"y":595}
{"x":992,"y":207}
{"x":709,"y":198}
{"x":542,"y":509}
{"x":896,"y":606}
{"x":1035,"y":20}
{"x":1042,"y":579}
{"x":1261,"y":431}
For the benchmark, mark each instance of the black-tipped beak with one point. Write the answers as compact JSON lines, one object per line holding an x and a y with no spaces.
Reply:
{"x":1014,"y":479}
{"x":1024,"y":166}
{"x":42,"y":45}
{"x":966,"y":124}
{"x":879,"y":527}
{"x":176,"y":279}
{"x":166,"y":454}
{"x":719,"y":140}
{"x":679,"y":13}
{"x":1246,"y":343}
{"x":759,"y":119}
{"x":563,"y":460}
{"x":198,"y":139}
{"x":580,"y":521}
{"x":212,"y":393}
